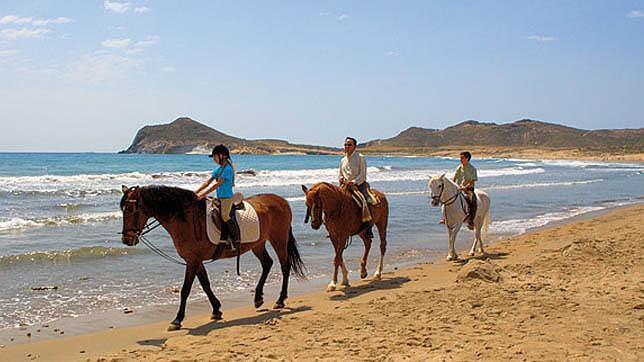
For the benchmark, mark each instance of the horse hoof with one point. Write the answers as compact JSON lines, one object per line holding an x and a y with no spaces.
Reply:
{"x":259,"y":303}
{"x":216,"y":316}
{"x":346,"y":284}
{"x":330,"y":288}
{"x":472,"y":253}
{"x":174,"y":327}
{"x":363,"y":274}
{"x":452,"y":257}
{"x":377,"y":277}
{"x":278,"y":305}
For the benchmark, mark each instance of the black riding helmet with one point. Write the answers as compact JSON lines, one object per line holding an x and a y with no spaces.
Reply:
{"x":220,"y":150}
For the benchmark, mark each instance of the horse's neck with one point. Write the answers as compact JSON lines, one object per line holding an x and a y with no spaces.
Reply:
{"x":450,"y":190}
{"x":336,"y":198}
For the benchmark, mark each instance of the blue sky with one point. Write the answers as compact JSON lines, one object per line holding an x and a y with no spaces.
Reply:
{"x":85,"y":75}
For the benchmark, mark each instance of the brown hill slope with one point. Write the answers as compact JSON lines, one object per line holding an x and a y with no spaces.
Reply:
{"x":519,"y":134}
{"x":185,"y":135}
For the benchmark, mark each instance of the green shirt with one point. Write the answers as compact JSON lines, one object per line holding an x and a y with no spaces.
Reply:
{"x":465,"y":174}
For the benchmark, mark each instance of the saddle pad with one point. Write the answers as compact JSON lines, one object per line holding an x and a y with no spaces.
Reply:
{"x":247,"y":220}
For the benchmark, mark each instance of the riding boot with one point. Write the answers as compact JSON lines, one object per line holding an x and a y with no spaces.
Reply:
{"x":472,"y":215}
{"x":233,"y":232}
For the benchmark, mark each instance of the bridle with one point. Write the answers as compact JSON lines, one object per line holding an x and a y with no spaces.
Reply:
{"x":451,"y":200}
{"x":138,"y":231}
{"x":317,"y":203}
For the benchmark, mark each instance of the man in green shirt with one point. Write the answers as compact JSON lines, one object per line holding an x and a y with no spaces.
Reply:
{"x":465,"y":176}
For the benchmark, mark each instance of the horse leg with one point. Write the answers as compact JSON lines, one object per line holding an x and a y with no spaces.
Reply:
{"x":452,"y":240}
{"x":382,"y":234}
{"x":202,"y":275}
{"x":286,"y":271}
{"x":477,"y":233}
{"x":337,"y":261}
{"x":479,"y":238}
{"x":265,"y":259}
{"x":363,"y":261}
{"x":189,"y":278}
{"x":345,"y":275}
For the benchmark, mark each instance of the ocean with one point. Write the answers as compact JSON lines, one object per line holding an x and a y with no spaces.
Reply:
{"x":61,"y":256}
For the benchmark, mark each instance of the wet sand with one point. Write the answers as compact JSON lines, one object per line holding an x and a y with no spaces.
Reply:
{"x":572,"y":291}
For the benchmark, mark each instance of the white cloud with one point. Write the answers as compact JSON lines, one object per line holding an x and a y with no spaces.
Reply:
{"x":24,"y":20}
{"x":58,"y":20}
{"x":392,"y":53}
{"x":13,"y":34}
{"x":324,"y":13}
{"x":635,"y":14}
{"x":343,"y":17}
{"x":167,"y":69}
{"x":142,"y":10}
{"x":541,"y":38}
{"x":116,"y":43}
{"x":7,"y":52}
{"x":149,"y":41}
{"x":116,"y":7}
{"x":15,"y":19}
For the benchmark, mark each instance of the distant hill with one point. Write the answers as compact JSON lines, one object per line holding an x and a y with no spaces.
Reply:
{"x":185,"y":135}
{"x":524,"y":138}
{"x":523,"y":134}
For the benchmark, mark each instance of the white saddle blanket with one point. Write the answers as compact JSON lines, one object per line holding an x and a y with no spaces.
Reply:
{"x":247,"y":220}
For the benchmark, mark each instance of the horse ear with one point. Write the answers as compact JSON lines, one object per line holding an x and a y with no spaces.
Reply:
{"x":443,"y":175}
{"x":124,"y":189}
{"x":304,"y":189}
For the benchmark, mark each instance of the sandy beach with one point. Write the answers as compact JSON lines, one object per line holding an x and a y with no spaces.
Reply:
{"x":572,"y":291}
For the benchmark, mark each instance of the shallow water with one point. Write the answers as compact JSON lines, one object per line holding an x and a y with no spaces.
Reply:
{"x":59,"y":219}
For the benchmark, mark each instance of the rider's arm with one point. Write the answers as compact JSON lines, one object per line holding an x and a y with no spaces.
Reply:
{"x":204,"y":185}
{"x":341,"y":178}
{"x":211,"y":189}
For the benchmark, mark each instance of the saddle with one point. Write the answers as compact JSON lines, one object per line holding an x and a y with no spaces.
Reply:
{"x":359,"y":198}
{"x":216,"y":207}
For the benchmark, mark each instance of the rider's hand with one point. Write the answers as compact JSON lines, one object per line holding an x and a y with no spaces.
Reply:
{"x":350,"y":183}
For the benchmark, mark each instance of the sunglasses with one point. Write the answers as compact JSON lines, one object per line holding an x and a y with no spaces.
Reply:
{"x":348,"y":144}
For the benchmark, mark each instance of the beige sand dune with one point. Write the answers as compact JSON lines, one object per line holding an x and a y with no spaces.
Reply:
{"x":572,"y":292}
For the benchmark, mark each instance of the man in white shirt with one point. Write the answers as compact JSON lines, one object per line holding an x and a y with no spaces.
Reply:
{"x":353,"y":174}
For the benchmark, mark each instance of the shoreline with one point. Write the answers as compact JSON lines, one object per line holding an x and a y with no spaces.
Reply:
{"x":121,"y":337}
{"x":231,"y":300}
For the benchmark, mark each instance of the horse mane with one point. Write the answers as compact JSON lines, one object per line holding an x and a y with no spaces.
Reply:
{"x":167,"y":201}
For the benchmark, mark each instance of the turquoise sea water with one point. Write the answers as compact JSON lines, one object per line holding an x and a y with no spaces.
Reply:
{"x":59,"y":219}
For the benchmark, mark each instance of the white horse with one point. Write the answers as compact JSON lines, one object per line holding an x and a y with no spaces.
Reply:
{"x":445,"y":192}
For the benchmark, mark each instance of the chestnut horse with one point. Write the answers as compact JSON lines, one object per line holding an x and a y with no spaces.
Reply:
{"x":183,"y":216}
{"x":334,"y":206}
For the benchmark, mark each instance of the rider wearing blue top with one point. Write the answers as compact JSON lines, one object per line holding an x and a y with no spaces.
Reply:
{"x":224,"y":177}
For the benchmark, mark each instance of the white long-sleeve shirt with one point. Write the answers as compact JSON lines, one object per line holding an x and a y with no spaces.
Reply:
{"x":354,"y":168}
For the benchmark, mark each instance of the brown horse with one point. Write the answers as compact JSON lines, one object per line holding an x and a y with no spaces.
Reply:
{"x":183,"y":216}
{"x":334,"y":206}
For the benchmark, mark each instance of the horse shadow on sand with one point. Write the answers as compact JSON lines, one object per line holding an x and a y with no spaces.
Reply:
{"x":372,"y":285}
{"x":205,"y":329}
{"x":487,"y":256}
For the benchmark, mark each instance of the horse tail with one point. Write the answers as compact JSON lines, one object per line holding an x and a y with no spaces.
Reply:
{"x":294,"y":258}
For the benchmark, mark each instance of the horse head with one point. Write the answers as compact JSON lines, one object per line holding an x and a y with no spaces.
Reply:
{"x":313,"y":207}
{"x":436,"y":186}
{"x":134,"y":216}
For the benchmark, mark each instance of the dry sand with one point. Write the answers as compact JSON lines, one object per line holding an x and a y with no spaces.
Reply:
{"x":569,"y":292}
